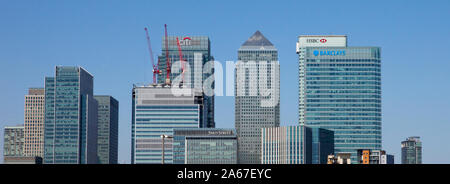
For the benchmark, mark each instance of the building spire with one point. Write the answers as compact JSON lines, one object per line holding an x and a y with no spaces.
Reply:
{"x":257,"y":39}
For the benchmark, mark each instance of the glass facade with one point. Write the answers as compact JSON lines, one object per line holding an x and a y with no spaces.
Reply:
{"x":70,"y":127}
{"x":156,"y":112}
{"x":286,"y":145}
{"x":108,"y":129}
{"x":322,"y":145}
{"x":13,"y":142}
{"x":257,"y":72}
{"x":204,"y":146}
{"x":340,"y":90}
{"x":194,"y":48}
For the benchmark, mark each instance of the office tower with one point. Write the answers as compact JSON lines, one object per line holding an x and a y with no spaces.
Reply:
{"x":156,"y":111}
{"x":286,"y":145}
{"x":340,"y":90}
{"x":412,"y":151}
{"x":13,"y":141}
{"x":374,"y":157}
{"x":204,"y":146}
{"x":70,"y":127}
{"x":322,"y":145}
{"x":257,"y":95}
{"x":196,"y":52}
{"x":34,"y":122}
{"x":108,"y":129}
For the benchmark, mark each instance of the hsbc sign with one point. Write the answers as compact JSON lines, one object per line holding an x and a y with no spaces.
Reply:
{"x":321,"y":41}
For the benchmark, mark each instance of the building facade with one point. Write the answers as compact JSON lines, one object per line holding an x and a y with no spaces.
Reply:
{"x":34,"y":122}
{"x":22,"y":160}
{"x":339,"y":158}
{"x":389,"y":159}
{"x":257,"y":95}
{"x":14,"y":140}
{"x":70,"y":127}
{"x":340,"y":90}
{"x":196,"y":51}
{"x":286,"y":145}
{"x":204,"y":146}
{"x":412,"y":151}
{"x":374,"y":157}
{"x":108,"y":129}
{"x":322,"y":145}
{"x":156,"y":111}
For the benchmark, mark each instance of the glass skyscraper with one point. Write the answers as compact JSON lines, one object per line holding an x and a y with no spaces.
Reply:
{"x":108,"y":129}
{"x":412,"y":151}
{"x":257,"y":95}
{"x":156,"y":111}
{"x":204,"y":146}
{"x":340,"y":90}
{"x":70,"y":126}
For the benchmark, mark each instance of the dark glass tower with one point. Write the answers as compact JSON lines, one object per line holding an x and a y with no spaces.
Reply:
{"x":108,"y":129}
{"x":322,"y":145}
{"x":70,"y":127}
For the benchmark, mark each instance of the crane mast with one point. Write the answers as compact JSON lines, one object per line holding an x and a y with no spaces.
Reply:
{"x":155,"y":69}
{"x":181,"y":60}
{"x":167,"y":56}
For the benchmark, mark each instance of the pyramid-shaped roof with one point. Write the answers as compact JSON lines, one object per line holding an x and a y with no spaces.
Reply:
{"x":257,"y":39}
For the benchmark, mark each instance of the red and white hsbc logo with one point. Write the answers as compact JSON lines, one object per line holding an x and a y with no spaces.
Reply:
{"x":322,"y":40}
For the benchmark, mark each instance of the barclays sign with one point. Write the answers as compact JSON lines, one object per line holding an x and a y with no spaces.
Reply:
{"x":329,"y":53}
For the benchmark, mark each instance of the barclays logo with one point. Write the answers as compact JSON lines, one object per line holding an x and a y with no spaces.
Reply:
{"x":329,"y":53}
{"x":316,"y":53}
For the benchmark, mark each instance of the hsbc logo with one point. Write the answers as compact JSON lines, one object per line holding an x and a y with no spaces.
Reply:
{"x":323,"y":40}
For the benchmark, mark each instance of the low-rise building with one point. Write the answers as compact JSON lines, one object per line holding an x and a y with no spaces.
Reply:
{"x":13,"y":141}
{"x":22,"y":160}
{"x":204,"y":146}
{"x":286,"y":145}
{"x":374,"y":157}
{"x":339,"y":158}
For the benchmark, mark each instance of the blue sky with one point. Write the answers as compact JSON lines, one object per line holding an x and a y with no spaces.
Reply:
{"x":107,"y":39}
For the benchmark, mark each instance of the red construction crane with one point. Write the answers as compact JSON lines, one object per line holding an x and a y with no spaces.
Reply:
{"x":167,"y":57}
{"x":181,"y":60}
{"x":155,"y":67}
